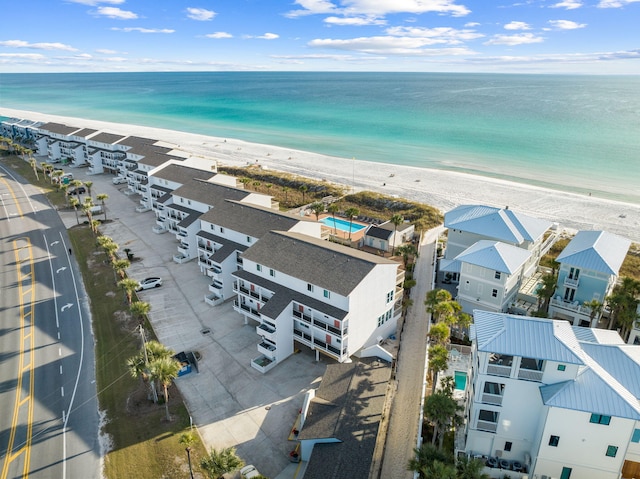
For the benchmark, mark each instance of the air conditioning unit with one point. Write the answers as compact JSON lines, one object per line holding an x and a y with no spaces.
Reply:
{"x":498,"y":453}
{"x":543,"y":476}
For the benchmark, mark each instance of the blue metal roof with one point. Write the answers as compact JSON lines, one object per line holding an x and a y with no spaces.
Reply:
{"x":540,"y":338}
{"x":495,"y":255}
{"x":596,"y":250}
{"x":598,"y":336}
{"x":500,"y":224}
{"x":621,"y":361}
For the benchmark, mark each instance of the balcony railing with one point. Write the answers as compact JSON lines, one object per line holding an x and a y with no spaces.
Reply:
{"x":487,"y":426}
{"x":268,"y":349}
{"x":246,"y":308}
{"x":573,"y":282}
{"x":499,"y":370}
{"x":266,"y":332}
{"x":530,"y":374}
{"x":494,"y":399}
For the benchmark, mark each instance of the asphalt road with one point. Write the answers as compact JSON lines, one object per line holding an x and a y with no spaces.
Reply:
{"x":49,"y":421}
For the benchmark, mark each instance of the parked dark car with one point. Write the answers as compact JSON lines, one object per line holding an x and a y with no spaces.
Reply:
{"x":80,"y":190}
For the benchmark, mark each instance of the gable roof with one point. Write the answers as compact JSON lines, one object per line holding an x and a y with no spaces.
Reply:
{"x":495,"y":255}
{"x":622,"y":361}
{"x":595,"y":250}
{"x":348,"y":407}
{"x":181,"y":174}
{"x":500,"y":224}
{"x":209,"y":193}
{"x":58,"y":128}
{"x":598,"y":336}
{"x":539,"y":338}
{"x":328,"y":265}
{"x":379,"y":233}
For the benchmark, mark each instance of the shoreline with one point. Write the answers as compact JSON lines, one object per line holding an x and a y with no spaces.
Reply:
{"x":441,"y":189}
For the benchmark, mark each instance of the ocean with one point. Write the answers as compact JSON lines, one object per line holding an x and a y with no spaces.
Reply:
{"x":569,"y":133}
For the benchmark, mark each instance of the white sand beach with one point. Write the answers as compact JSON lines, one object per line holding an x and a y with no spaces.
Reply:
{"x":441,"y":189}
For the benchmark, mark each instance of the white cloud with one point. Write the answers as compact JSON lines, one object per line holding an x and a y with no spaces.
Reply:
{"x":37,"y":46}
{"x":93,"y":3}
{"x":83,"y":56}
{"x":615,"y":3}
{"x":595,"y":57}
{"x":23,"y":56}
{"x":517,"y":26}
{"x":354,"y":21}
{"x":512,"y":40}
{"x":566,"y":24}
{"x":471,"y":24}
{"x":268,"y":36}
{"x":378,"y":8}
{"x":114,"y":12}
{"x":200,"y":14}
{"x":568,"y":4}
{"x":106,"y":51}
{"x":445,"y":35}
{"x":385,"y":45}
{"x":143,"y":30}
{"x":219,"y":35}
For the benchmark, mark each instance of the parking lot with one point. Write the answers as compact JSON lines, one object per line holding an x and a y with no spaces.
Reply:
{"x":231,"y":403}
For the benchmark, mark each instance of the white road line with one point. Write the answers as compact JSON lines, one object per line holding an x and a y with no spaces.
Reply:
{"x":58,"y":335}
{"x":62,"y":391}
{"x":59,"y":351}
{"x":60,"y":369}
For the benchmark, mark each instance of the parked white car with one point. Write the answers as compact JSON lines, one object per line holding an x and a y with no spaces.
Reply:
{"x":118,"y":180}
{"x":149,"y":283}
{"x":249,"y":471}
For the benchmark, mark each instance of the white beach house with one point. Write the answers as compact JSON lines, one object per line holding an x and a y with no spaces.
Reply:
{"x":304,"y":291}
{"x":552,"y":400}
{"x":589,"y":267}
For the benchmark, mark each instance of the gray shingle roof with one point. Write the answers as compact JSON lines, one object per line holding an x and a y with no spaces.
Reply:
{"x":107,"y":138}
{"x":595,"y":250}
{"x":500,"y":224}
{"x":181,"y":174}
{"x":59,"y":128}
{"x":252,"y":220}
{"x":495,"y":255}
{"x":539,"y":338}
{"x":379,"y":233}
{"x":209,"y":193}
{"x":348,"y":406}
{"x":228,"y":246}
{"x":85,"y":132}
{"x":328,"y":265}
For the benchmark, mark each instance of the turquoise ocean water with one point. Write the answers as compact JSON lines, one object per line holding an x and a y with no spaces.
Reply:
{"x":572,"y":133}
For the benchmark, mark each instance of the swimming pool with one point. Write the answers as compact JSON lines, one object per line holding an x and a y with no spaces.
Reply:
{"x":461,"y":380}
{"x":342,"y":225}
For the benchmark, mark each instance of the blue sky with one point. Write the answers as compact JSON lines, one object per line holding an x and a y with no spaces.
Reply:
{"x":528,"y":36}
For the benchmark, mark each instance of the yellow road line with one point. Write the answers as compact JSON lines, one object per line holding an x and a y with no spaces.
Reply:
{"x":15,"y":198}
{"x":25,"y":334}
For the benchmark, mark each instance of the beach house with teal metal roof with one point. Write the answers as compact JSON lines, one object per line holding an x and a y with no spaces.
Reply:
{"x":589,"y":267}
{"x":543,"y":402}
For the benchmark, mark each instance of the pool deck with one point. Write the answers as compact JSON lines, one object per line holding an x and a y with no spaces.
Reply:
{"x":355,"y":235}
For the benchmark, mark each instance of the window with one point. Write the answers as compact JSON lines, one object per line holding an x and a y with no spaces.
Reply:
{"x":489,"y":416}
{"x":221,"y":229}
{"x":497,"y":275}
{"x":496,"y":389}
{"x":248,"y":239}
{"x":566,"y":473}
{"x":211,"y":227}
{"x":494,"y":293}
{"x":259,"y":267}
{"x":272,"y":273}
{"x":507,"y":446}
{"x":561,"y":367}
{"x":327,"y":294}
{"x":636,"y":436}
{"x":612,"y":451}
{"x":310,"y":287}
{"x":380,"y":320}
{"x":554,"y":440}
{"x":600,"y":419}
{"x":531,"y":364}
{"x":390,"y":296}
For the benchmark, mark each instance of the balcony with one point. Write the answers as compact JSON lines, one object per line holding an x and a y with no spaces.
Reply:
{"x":213,"y":299}
{"x":487,"y":426}
{"x":267,"y":349}
{"x":266,"y":332}
{"x":159,"y":229}
{"x":183,"y":248}
{"x":326,"y":327}
{"x":160,"y":221}
{"x":529,"y":375}
{"x":571,"y":282}
{"x":494,"y":399}
{"x":499,"y":370}
{"x":216,"y":286}
{"x":180,"y":258}
{"x":262,"y":364}
{"x":205,"y":247}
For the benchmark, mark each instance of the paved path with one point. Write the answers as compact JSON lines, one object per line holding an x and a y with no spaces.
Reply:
{"x":403,"y":426}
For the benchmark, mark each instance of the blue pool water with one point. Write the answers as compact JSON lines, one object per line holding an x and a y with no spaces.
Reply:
{"x":342,"y":225}
{"x":461,"y":380}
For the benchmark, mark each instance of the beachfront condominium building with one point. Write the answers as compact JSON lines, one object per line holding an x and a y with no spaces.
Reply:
{"x":589,"y":267}
{"x":490,"y":275}
{"x":330,"y":298}
{"x":553,"y":400}
{"x":468,"y":224}
{"x":65,"y":144}
{"x":232,"y":226}
{"x":21,"y":131}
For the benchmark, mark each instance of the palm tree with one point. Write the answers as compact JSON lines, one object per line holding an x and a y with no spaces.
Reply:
{"x":139,"y":309}
{"x":441,"y":410}
{"x":57,"y":174}
{"x":219,"y":462}
{"x":333,"y":208}
{"x":351,"y":213}
{"x":397,"y":221}
{"x":406,"y":251}
{"x":165,"y":370}
{"x":188,"y":439}
{"x":74,"y":202}
{"x":120,"y":267}
{"x":595,"y":308}
{"x":88,"y":184}
{"x":244,"y":181}
{"x":129,"y":286}
{"x":303,"y":189}
{"x":438,"y":362}
{"x":470,"y":468}
{"x":102,"y":197}
{"x":285,"y":190}
{"x":546,"y":292}
{"x":317,"y":208}
{"x":255,"y":185}
{"x":425,"y":456}
{"x":34,"y":165}
{"x":439,"y":334}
